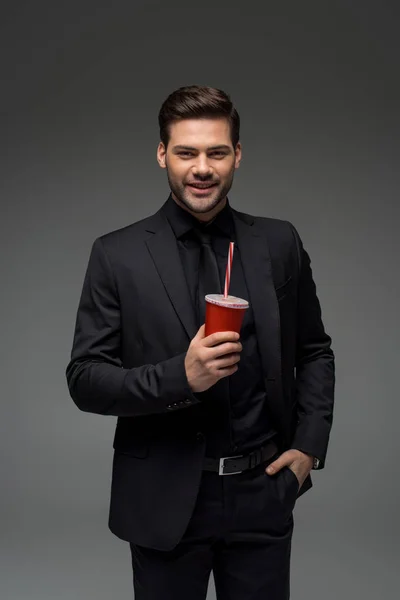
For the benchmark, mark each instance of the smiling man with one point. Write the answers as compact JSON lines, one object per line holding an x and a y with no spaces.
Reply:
{"x":200,"y":159}
{"x":216,"y":436}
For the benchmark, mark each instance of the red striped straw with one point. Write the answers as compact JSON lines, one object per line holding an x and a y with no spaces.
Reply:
{"x":228,"y":269}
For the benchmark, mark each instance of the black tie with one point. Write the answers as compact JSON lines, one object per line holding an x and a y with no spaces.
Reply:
{"x":209,"y":280}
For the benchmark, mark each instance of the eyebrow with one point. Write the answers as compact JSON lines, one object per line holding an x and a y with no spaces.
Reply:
{"x":219,"y":147}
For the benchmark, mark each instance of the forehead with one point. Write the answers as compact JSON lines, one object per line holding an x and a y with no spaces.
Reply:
{"x":200,"y":132}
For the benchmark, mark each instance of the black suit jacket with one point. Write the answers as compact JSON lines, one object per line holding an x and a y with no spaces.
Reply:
{"x":134,"y":325}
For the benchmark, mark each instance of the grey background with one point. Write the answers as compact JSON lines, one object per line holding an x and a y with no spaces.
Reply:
{"x":315,"y":84}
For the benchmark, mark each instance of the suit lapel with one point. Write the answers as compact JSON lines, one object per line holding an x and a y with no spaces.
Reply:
{"x":257,"y":268}
{"x":164,"y":251}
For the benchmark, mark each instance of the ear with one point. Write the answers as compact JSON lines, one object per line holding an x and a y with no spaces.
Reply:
{"x":161,"y":154}
{"x":238,"y":155}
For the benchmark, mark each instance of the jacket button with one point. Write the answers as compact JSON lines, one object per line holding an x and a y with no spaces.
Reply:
{"x":188,"y":401}
{"x":199,"y":436}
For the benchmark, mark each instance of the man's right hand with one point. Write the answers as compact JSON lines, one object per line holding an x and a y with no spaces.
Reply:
{"x":211,"y":358}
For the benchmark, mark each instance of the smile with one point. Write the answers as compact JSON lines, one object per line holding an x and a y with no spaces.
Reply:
{"x":202,"y":187}
{"x":203,"y":190}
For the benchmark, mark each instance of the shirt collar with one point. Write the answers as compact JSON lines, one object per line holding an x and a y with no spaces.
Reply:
{"x":182,"y":221}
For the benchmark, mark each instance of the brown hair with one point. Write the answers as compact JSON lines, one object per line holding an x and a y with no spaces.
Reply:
{"x":197,"y":102}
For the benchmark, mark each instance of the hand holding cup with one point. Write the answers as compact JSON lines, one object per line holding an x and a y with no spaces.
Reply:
{"x":210,"y":358}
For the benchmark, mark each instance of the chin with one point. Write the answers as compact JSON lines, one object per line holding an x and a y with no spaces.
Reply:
{"x":202,"y":205}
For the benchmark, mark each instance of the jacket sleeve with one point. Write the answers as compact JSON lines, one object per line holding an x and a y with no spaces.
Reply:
{"x":315,"y":367}
{"x":96,"y":379}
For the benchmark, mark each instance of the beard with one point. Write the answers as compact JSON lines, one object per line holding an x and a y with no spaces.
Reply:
{"x":195,"y":204}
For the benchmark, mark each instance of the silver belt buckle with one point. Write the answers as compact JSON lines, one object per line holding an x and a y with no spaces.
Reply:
{"x":221,"y":465}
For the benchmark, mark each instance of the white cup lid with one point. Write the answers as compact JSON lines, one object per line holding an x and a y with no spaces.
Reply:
{"x":229,"y":301}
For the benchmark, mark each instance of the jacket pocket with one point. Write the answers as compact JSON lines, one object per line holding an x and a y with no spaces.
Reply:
{"x":283,"y":288}
{"x":131,"y":447}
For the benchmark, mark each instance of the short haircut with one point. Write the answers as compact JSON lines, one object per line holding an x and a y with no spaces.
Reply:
{"x":197,"y":102}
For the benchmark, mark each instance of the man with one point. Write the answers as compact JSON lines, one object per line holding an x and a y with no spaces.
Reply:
{"x":216,"y":436}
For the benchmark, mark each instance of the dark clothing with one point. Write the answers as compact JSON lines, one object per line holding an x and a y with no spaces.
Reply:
{"x":241,"y":529}
{"x":134,"y":325}
{"x":235,"y":417}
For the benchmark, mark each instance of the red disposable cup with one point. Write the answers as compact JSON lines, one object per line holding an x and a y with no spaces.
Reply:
{"x":224,"y":314}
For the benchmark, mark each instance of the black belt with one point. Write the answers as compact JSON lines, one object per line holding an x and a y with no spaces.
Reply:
{"x":231,"y":465}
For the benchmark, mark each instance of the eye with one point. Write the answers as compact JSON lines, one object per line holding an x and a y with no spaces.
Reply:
{"x":184,"y":153}
{"x":218,"y":153}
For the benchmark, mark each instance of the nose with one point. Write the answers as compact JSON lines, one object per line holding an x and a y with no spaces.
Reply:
{"x":202,"y":166}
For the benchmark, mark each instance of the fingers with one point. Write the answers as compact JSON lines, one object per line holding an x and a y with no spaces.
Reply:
{"x":225,"y":366}
{"x":220,"y":337}
{"x":220,"y":343}
{"x":284,"y":460}
{"x":275,"y":467}
{"x":228,"y":360}
{"x":200,"y":332}
{"x":225,"y":371}
{"x":219,"y":352}
{"x":222,"y":350}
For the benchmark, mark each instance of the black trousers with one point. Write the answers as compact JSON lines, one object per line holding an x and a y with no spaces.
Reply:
{"x":241,"y":530}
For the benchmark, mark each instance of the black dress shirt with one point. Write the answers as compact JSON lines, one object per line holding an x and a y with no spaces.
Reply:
{"x":235,"y":417}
